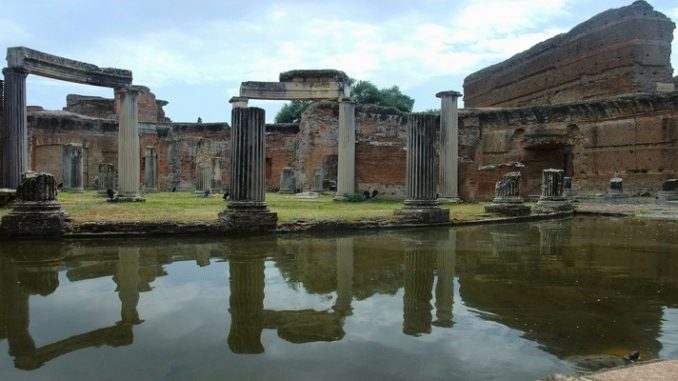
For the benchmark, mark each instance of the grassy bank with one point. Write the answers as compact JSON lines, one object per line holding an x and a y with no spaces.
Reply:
{"x":186,"y":207}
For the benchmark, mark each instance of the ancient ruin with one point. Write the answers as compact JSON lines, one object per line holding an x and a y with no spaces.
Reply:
{"x":507,"y":200}
{"x":589,"y":113}
{"x":552,"y":199}
{"x":421,"y":203}
{"x":36,"y":210}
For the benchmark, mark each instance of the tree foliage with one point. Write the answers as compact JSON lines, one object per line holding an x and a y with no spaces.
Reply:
{"x":291,"y":112}
{"x":363,"y":92}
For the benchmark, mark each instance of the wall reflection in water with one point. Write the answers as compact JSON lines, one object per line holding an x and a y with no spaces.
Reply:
{"x":573,"y":287}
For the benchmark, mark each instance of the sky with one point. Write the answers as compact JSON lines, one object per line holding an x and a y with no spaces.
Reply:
{"x":195,"y":54}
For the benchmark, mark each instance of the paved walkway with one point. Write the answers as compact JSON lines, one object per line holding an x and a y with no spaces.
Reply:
{"x":650,"y":371}
{"x":643,"y":207}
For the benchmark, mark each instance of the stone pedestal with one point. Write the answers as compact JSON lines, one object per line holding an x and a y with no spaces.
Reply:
{"x":129,"y":168}
{"x":616,"y":189}
{"x":507,"y":200}
{"x":72,"y":165}
{"x":552,"y":199}
{"x":421,"y":204}
{"x":107,"y":177}
{"x":287,"y":180}
{"x":449,"y":146}
{"x":317,"y":181}
{"x":346,"y":150}
{"x":669,"y":191}
{"x":150,"y":169}
{"x":15,"y":135}
{"x":247,"y":210}
{"x":36,"y":211}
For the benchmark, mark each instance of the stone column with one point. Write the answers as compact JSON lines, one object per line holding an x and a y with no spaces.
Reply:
{"x":204,"y":183}
{"x":344,"y":276}
{"x":552,"y":199}
{"x":106,"y":178}
{"x":247,"y":208}
{"x":150,"y":170}
{"x":447,"y":255}
{"x":418,"y":279}
{"x":421,"y":203}
{"x":15,"y":136}
{"x":72,"y":166}
{"x":449,"y":146}
{"x":129,"y":171}
{"x":246,"y":304}
{"x":217,"y":184}
{"x":346,"y":149}
{"x":317,"y":181}
{"x":287,"y":180}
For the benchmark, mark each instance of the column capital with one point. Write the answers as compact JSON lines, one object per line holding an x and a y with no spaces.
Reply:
{"x":238,"y":102}
{"x":128,"y":90}
{"x":448,"y":94}
{"x":16,"y":70}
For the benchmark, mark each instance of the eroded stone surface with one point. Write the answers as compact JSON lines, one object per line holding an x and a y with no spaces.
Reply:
{"x":507,"y":200}
{"x":619,"y":51}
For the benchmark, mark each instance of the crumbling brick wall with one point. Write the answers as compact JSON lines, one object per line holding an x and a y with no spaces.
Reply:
{"x":619,"y":51}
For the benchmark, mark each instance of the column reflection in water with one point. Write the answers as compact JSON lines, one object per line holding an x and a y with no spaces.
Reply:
{"x":127,"y":279}
{"x":447,"y":256}
{"x":246,"y":304}
{"x":552,"y":238}
{"x":344,"y":276}
{"x":418,"y":279}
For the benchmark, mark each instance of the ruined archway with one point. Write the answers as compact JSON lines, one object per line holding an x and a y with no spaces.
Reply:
{"x":21,"y":62}
{"x":314,"y":85}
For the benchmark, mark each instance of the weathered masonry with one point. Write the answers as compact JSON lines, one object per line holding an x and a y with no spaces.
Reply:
{"x":22,"y":61}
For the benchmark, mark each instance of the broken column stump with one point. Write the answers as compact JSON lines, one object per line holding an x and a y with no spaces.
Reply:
{"x":552,"y":199}
{"x":669,"y":191}
{"x":616,"y":189}
{"x":36,"y":210}
{"x":507,"y":200}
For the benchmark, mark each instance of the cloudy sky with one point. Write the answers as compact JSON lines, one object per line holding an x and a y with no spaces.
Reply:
{"x":195,"y":54}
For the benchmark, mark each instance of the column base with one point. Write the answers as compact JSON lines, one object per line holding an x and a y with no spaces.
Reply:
{"x":508,"y":209}
{"x":128,"y":198}
{"x":553,"y":206}
{"x":36,"y":219}
{"x":249,"y":219}
{"x":7,"y":195}
{"x":423,"y":215}
{"x":73,"y":190}
{"x":450,"y":200}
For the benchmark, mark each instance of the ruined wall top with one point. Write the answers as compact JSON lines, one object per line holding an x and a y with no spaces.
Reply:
{"x":150,"y":108}
{"x":321,"y":75}
{"x":620,"y":51}
{"x":52,"y":66}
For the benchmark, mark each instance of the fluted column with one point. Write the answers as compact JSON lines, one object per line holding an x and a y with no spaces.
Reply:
{"x":129,"y":171}
{"x":346,"y":149}
{"x":72,"y":166}
{"x":248,"y":163}
{"x":247,"y":207}
{"x":246,"y":304}
{"x":552,"y":199}
{"x":15,"y":136}
{"x":344,"y":276}
{"x":421,"y":201}
{"x":449,"y":146}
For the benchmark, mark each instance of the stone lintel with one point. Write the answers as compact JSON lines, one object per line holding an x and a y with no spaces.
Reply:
{"x":294,"y":90}
{"x":48,"y":65}
{"x":321,"y":75}
{"x":450,"y":93}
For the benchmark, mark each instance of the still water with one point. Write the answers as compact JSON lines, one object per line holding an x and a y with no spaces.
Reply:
{"x":503,"y":302}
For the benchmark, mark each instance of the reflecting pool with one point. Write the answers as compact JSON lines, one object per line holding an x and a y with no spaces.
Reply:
{"x":501,"y":302}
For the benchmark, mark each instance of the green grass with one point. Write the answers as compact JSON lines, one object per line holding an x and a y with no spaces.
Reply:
{"x":186,"y":207}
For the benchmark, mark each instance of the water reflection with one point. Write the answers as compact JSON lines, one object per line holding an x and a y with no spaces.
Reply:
{"x":572,"y":287}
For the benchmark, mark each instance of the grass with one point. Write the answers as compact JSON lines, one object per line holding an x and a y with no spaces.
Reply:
{"x":186,"y":207}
